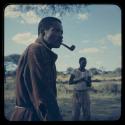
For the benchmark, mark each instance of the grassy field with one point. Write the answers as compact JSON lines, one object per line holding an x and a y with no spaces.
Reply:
{"x":105,"y":101}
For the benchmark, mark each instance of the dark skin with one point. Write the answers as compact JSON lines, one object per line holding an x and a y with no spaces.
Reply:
{"x":53,"y":36}
{"x":82,"y":69}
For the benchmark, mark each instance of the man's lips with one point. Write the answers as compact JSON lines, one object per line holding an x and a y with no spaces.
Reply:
{"x":60,"y":41}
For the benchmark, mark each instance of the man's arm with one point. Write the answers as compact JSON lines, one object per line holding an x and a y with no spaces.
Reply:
{"x":72,"y":81}
{"x":89,"y":81}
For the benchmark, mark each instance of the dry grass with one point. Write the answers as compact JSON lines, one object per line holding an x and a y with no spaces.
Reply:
{"x":105,"y":103}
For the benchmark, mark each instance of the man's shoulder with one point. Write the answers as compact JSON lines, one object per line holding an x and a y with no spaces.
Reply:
{"x":74,"y":71}
{"x":36,"y":47}
{"x":88,"y":72}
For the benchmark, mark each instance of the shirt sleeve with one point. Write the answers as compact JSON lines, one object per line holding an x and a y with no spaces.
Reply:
{"x":89,"y":74}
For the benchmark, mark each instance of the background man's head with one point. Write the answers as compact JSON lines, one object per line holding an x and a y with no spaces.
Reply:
{"x":82,"y":62}
{"x":51,"y":30}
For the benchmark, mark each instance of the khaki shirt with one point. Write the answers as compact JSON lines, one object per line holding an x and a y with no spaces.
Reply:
{"x":78,"y":75}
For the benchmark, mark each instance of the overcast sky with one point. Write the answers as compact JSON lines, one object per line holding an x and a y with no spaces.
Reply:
{"x":96,"y":33}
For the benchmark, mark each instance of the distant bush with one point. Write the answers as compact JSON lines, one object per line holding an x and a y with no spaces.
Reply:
{"x":69,"y":70}
{"x":95,"y":71}
{"x":12,"y":58}
{"x":10,"y":73}
{"x":109,"y":88}
{"x":96,"y":80}
{"x":117,"y":71}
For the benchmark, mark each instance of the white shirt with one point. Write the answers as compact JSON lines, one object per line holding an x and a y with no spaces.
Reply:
{"x":78,"y":75}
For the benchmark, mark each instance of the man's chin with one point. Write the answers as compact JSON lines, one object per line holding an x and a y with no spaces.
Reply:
{"x":58,"y":46}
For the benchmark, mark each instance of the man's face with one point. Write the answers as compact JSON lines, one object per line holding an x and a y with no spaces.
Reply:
{"x":53,"y":36}
{"x":83,"y":63}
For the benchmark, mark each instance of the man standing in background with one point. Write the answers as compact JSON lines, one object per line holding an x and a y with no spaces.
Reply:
{"x":81,"y":79}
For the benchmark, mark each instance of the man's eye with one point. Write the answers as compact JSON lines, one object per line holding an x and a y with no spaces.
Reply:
{"x":55,"y":30}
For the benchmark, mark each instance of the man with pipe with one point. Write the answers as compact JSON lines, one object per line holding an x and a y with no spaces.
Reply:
{"x":36,"y":76}
{"x":81,"y":79}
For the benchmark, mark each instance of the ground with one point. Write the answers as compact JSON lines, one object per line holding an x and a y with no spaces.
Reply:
{"x":105,"y":102}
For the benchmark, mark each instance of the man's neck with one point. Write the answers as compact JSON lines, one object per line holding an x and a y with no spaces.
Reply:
{"x":82,"y":69}
{"x":42,"y":40}
{"x":47,"y":44}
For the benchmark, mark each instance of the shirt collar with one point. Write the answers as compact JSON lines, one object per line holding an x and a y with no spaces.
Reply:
{"x":53,"y":55}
